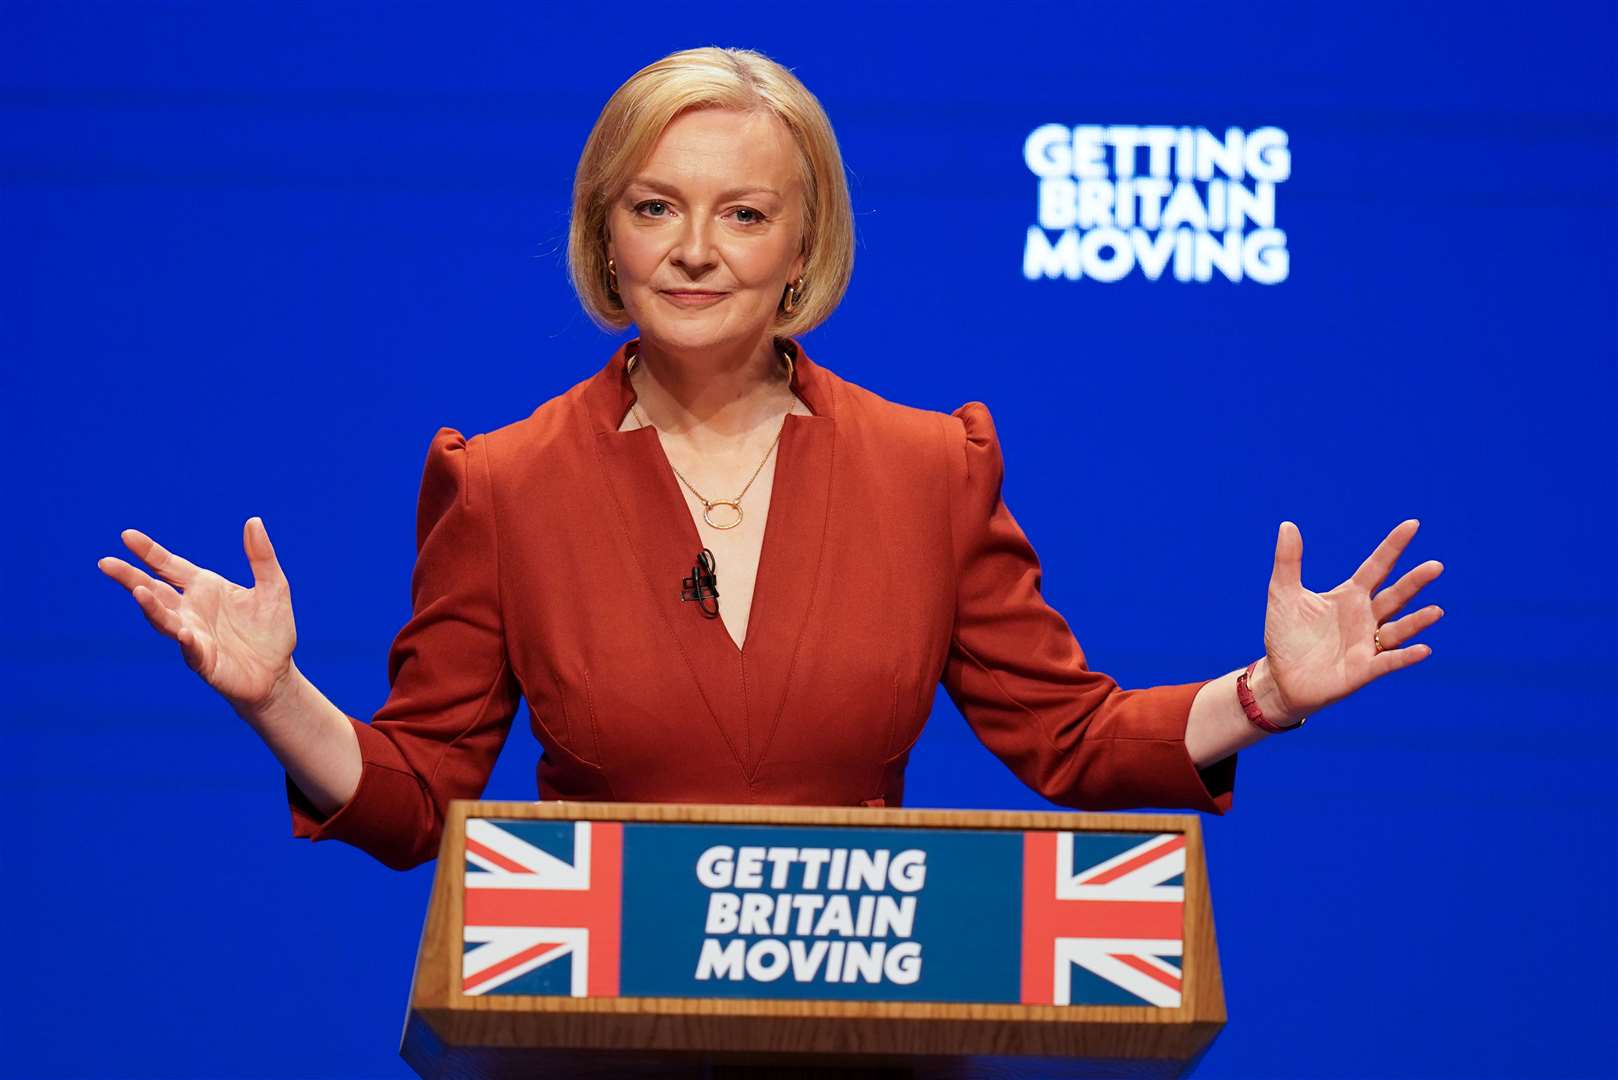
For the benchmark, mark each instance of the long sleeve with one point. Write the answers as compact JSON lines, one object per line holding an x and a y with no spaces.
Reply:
{"x":452,"y":691}
{"x":1019,"y":676}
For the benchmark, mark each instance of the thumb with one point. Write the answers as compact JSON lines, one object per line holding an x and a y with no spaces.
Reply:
{"x":192,"y":650}
{"x":261,"y":554}
{"x":1288,"y":571}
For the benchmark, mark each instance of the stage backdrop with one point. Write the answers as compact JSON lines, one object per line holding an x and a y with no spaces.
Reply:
{"x":1211,"y":267}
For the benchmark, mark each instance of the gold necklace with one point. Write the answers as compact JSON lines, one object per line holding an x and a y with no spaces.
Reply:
{"x":734,"y":505}
{"x":708,"y":505}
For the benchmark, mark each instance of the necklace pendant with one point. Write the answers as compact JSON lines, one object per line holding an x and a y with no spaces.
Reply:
{"x":726,"y":520}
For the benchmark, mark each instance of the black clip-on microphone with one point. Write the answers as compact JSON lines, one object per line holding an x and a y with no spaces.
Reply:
{"x":702,"y":586}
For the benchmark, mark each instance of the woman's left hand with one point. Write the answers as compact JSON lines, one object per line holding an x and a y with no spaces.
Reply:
{"x":1321,"y":647}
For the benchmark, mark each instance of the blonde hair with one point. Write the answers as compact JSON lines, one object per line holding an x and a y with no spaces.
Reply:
{"x":630,"y":125}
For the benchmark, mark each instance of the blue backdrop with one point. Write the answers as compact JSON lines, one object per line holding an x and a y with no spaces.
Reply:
{"x":257,"y":253}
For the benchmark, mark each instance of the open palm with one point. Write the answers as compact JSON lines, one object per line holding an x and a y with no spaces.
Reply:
{"x":1321,"y":647}
{"x":239,"y":640}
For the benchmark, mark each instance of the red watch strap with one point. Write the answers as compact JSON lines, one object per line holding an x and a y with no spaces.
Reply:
{"x":1250,"y":706}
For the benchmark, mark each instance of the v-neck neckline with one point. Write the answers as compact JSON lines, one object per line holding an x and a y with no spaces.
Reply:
{"x":693,"y":533}
{"x":736,"y":681}
{"x":697,"y":543}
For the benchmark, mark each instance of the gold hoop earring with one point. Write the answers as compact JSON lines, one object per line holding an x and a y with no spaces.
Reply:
{"x":790,"y":303}
{"x":612,"y":276}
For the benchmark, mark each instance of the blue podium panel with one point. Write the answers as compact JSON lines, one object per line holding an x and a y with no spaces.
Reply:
{"x":601,"y":909}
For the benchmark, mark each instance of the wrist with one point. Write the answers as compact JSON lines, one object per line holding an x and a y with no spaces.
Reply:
{"x":1267,"y":697}
{"x":284,"y":690}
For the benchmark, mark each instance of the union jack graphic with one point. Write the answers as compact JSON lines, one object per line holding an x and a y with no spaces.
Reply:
{"x":1103,"y":918}
{"x":543,"y":907}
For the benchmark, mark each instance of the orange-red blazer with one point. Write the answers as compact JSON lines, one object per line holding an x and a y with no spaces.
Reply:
{"x":550,"y":557}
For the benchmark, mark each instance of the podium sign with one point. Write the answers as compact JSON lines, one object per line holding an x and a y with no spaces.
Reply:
{"x":626,"y":909}
{"x":619,"y":939}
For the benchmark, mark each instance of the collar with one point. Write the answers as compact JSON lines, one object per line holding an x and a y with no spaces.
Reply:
{"x":609,"y":393}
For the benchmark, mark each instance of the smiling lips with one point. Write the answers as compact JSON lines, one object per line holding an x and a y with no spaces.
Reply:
{"x":693,"y":298}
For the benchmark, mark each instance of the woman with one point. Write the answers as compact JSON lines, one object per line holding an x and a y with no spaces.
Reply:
{"x":607,"y":558}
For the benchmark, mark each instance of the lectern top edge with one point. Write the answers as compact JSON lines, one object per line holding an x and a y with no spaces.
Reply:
{"x":740,"y":813}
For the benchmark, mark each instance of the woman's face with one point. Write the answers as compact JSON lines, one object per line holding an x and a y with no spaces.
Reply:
{"x":709,"y":231}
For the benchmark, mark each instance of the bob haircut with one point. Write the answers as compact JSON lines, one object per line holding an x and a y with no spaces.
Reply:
{"x":630,"y":125}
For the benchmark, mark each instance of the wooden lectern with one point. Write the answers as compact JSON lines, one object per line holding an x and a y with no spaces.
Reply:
{"x":570,"y":939}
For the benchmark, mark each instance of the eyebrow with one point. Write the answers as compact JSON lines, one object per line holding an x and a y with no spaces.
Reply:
{"x":668,"y":189}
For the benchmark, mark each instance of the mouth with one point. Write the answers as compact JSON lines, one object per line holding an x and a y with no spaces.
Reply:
{"x":693,"y":297}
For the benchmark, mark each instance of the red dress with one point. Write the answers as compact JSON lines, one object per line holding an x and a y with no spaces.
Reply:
{"x":550,"y":557}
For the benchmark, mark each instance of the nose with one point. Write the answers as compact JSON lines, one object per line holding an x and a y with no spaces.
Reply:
{"x":693,"y":249}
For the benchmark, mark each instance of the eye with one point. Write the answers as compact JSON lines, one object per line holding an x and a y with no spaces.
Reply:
{"x":651,"y":202}
{"x":754,"y":220}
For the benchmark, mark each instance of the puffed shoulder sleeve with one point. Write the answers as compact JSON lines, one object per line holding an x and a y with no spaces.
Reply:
{"x":452,"y":691}
{"x":1019,"y":676}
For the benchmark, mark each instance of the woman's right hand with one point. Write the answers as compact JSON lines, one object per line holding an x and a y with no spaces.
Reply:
{"x":239,"y":640}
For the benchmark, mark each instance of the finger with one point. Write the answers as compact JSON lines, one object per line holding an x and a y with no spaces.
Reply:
{"x":1397,"y":595}
{"x":1288,"y":569}
{"x":261,"y":554}
{"x":1399,"y":631}
{"x":164,"y":620}
{"x":1380,"y":562}
{"x":164,"y":563}
{"x":1393,"y":659}
{"x":130,"y":576}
